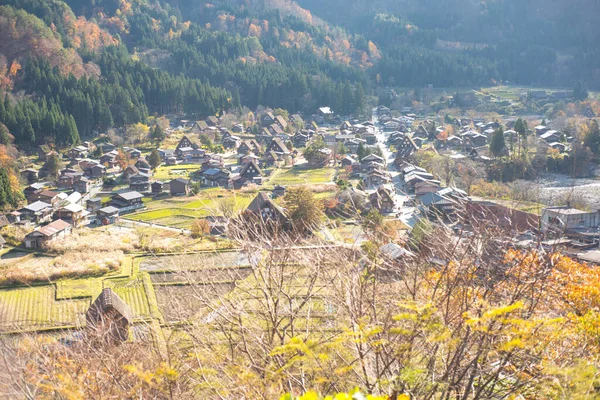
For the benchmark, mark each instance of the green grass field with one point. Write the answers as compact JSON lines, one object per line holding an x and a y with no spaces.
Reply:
{"x":301,"y":176}
{"x":180,"y":212}
{"x":168,"y":172}
{"x":64,"y":303}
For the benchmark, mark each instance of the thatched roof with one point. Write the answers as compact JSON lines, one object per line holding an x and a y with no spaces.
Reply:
{"x":105,"y":303}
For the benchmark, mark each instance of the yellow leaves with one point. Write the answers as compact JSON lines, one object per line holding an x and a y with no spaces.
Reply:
{"x":15,"y":67}
{"x":353,"y":395}
{"x":512,"y":344}
{"x":254,"y":30}
{"x":373,"y":50}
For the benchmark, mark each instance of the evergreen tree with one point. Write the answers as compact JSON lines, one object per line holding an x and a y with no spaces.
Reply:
{"x":52,"y":165}
{"x":154,"y":159}
{"x":4,"y":135}
{"x":580,"y":92}
{"x":157,"y":134}
{"x":497,"y":145}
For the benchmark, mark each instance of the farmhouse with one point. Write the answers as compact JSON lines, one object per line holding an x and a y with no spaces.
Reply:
{"x":107,"y":215}
{"x":128,"y":201}
{"x":179,"y":187}
{"x":37,"y":212}
{"x":74,"y":214}
{"x":382,"y":200}
{"x":41,"y":236}
{"x":263,"y":207}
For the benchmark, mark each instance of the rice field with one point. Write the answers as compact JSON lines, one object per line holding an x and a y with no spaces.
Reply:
{"x":301,"y":176}
{"x":32,"y":308}
{"x":180,"y":212}
{"x":168,"y":172}
{"x":132,"y":292}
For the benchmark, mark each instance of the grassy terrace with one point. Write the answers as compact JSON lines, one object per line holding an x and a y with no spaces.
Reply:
{"x":168,"y":172}
{"x":180,"y":212}
{"x":301,"y":176}
{"x":63,"y":304}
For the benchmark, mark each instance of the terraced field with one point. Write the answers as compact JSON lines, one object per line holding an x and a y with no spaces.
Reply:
{"x":37,"y":308}
{"x":302,"y":176}
{"x":132,"y":292}
{"x":64,"y":303}
{"x":180,"y":212}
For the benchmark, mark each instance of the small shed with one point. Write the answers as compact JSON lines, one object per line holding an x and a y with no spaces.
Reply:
{"x":110,"y":315}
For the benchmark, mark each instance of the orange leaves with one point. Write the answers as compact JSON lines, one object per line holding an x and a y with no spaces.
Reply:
{"x":577,"y":284}
{"x":373,"y":50}
{"x":15,"y":67}
{"x":254,"y":30}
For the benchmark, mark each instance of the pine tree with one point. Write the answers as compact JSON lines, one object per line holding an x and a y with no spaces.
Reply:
{"x":497,"y":145}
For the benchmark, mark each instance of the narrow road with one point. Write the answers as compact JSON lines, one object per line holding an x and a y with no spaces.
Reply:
{"x":405,"y":213}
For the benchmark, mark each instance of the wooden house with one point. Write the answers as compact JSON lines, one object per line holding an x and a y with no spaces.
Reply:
{"x":37,"y":212}
{"x":382,"y":200}
{"x":43,"y":235}
{"x":179,"y":187}
{"x":107,"y":215}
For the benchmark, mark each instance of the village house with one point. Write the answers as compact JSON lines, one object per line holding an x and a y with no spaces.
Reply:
{"x":251,"y":172}
{"x":216,"y":177}
{"x":14,"y":217}
{"x":424,"y":187}
{"x":74,"y":214}
{"x":300,"y":139}
{"x":564,"y":218}
{"x":30,"y":175}
{"x":267,"y":119}
{"x":157,"y":187}
{"x":279,"y":147}
{"x":194,"y":156}
{"x":179,"y":187}
{"x":33,"y":189}
{"x":541,"y":129}
{"x":165,"y":154}
{"x":435,"y":205}
{"x":212,"y":121}
{"x":93,"y":204}
{"x":376,"y":178}
{"x":46,"y":234}
{"x":263,"y":207}
{"x":281,"y":122}
{"x":128,"y":201}
{"x":78,"y":152}
{"x":275,"y":130}
{"x":249,"y":146}
{"x":82,"y":185}
{"x":107,"y":215}
{"x":110,"y":315}
{"x":278,"y":191}
{"x":551,"y":136}
{"x":272,"y":159}
{"x":46,"y":196}
{"x":230,"y":142}
{"x":199,"y":127}
{"x":382,"y":200}
{"x":139,"y":182}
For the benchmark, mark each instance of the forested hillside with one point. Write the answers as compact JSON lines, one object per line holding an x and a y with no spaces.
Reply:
{"x":76,"y":67}
{"x":531,"y":42}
